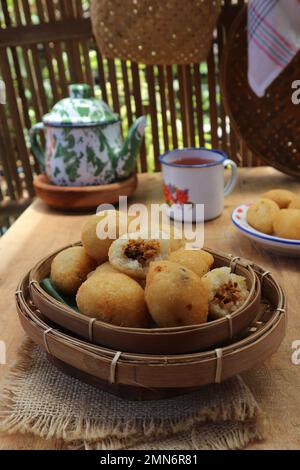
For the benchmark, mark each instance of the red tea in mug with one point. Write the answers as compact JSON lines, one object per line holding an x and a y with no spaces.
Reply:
{"x":193,"y":161}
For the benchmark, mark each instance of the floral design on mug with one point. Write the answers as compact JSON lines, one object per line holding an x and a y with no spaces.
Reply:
{"x":175,"y":195}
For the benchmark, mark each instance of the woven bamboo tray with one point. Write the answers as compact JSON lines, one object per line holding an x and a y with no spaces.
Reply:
{"x":269,"y":125}
{"x":156,"y":376}
{"x":179,"y":340}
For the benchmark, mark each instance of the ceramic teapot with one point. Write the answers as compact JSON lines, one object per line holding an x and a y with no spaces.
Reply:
{"x":83,"y":141}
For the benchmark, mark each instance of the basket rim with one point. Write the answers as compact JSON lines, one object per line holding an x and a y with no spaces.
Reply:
{"x":109,"y":354}
{"x":254,"y":292}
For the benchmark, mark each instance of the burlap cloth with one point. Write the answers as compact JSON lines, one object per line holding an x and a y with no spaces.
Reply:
{"x":37,"y":398}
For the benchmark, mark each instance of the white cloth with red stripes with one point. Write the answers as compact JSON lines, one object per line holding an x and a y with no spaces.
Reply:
{"x":273,"y":40}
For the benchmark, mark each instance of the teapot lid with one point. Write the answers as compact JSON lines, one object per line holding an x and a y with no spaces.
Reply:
{"x":80,"y":109}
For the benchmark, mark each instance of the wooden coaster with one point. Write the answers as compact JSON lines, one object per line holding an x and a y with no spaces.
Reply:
{"x":82,"y":197}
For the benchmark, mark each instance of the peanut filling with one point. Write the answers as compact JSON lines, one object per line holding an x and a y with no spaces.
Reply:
{"x":227,"y":295}
{"x":142,"y":250}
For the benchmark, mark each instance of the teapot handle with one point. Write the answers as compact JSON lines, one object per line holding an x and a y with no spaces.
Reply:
{"x":35,"y":144}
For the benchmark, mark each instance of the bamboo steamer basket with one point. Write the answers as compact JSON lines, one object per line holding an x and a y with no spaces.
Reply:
{"x":138,"y":376}
{"x":178,"y":340}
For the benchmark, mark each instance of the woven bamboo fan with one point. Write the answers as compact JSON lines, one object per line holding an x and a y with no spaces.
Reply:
{"x":270,"y":126}
{"x":177,"y":340}
{"x":148,"y":376}
{"x":155,"y":31}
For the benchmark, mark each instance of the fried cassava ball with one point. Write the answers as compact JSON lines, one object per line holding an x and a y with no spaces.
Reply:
{"x":287,"y":224}
{"x":198,"y":261}
{"x":113,"y":298}
{"x":95,"y":246}
{"x":69,"y":269}
{"x":282,"y":197}
{"x":175,"y":295}
{"x":295,"y":203}
{"x":133,"y":254}
{"x":261,"y":215}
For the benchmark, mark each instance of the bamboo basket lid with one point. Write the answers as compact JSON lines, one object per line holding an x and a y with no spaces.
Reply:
{"x":269,"y":125}
{"x":259,"y":341}
{"x":178,"y":340}
{"x":152,"y":31}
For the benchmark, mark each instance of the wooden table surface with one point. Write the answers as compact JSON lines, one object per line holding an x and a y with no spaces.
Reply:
{"x":275,"y":384}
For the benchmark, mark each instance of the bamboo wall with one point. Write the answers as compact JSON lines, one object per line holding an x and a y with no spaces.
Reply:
{"x":47,"y":44}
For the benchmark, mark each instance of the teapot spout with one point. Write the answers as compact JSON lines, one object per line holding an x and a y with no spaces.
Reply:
{"x":128,"y":153}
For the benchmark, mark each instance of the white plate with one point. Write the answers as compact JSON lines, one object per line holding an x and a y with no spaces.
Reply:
{"x":282,"y":246}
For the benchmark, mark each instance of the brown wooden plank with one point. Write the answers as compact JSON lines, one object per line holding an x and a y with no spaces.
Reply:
{"x":67,"y":30}
{"x":57,"y":49}
{"x":36,"y":63}
{"x":199,"y":104}
{"x":72,"y":46}
{"x":153,"y":113}
{"x":138,"y":110}
{"x":127,"y":92}
{"x":48,"y":54}
{"x":101,"y":76}
{"x":4,"y":160}
{"x":10,"y":152}
{"x":220,"y":40}
{"x":17,"y":68}
{"x":163,"y":104}
{"x":183,"y":105}
{"x":213,"y":111}
{"x":171,"y":102}
{"x":114,"y":84}
{"x":11,"y":98}
{"x":189,"y":103}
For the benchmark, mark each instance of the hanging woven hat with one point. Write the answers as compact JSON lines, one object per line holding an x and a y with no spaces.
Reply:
{"x":155,"y":31}
{"x":270,"y":125}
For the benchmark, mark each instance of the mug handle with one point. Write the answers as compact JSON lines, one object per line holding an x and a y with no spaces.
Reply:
{"x":35,"y":144}
{"x":233,"y":178}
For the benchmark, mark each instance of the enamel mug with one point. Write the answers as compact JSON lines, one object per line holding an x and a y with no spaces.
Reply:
{"x":188,"y":185}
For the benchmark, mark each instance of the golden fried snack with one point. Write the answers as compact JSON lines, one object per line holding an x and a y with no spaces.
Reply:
{"x":287,"y":224}
{"x":108,"y":268}
{"x":261,"y":215}
{"x":70,"y":268}
{"x":282,"y":197}
{"x":295,"y":203}
{"x":175,"y":295}
{"x":96,"y":247}
{"x":176,"y":239}
{"x":113,"y":298}
{"x":133,"y":253}
{"x":198,"y":261}
{"x":103,"y":268}
{"x":226,"y":291}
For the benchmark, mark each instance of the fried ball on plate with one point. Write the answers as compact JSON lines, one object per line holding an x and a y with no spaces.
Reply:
{"x":132,"y":253}
{"x":113,"y":298}
{"x":198,"y":261}
{"x":295,"y":203}
{"x":95,"y":246}
{"x":69,"y":269}
{"x":287,"y":224}
{"x":282,"y":197}
{"x":261,"y":215}
{"x":175,"y":295}
{"x":226,"y":291}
